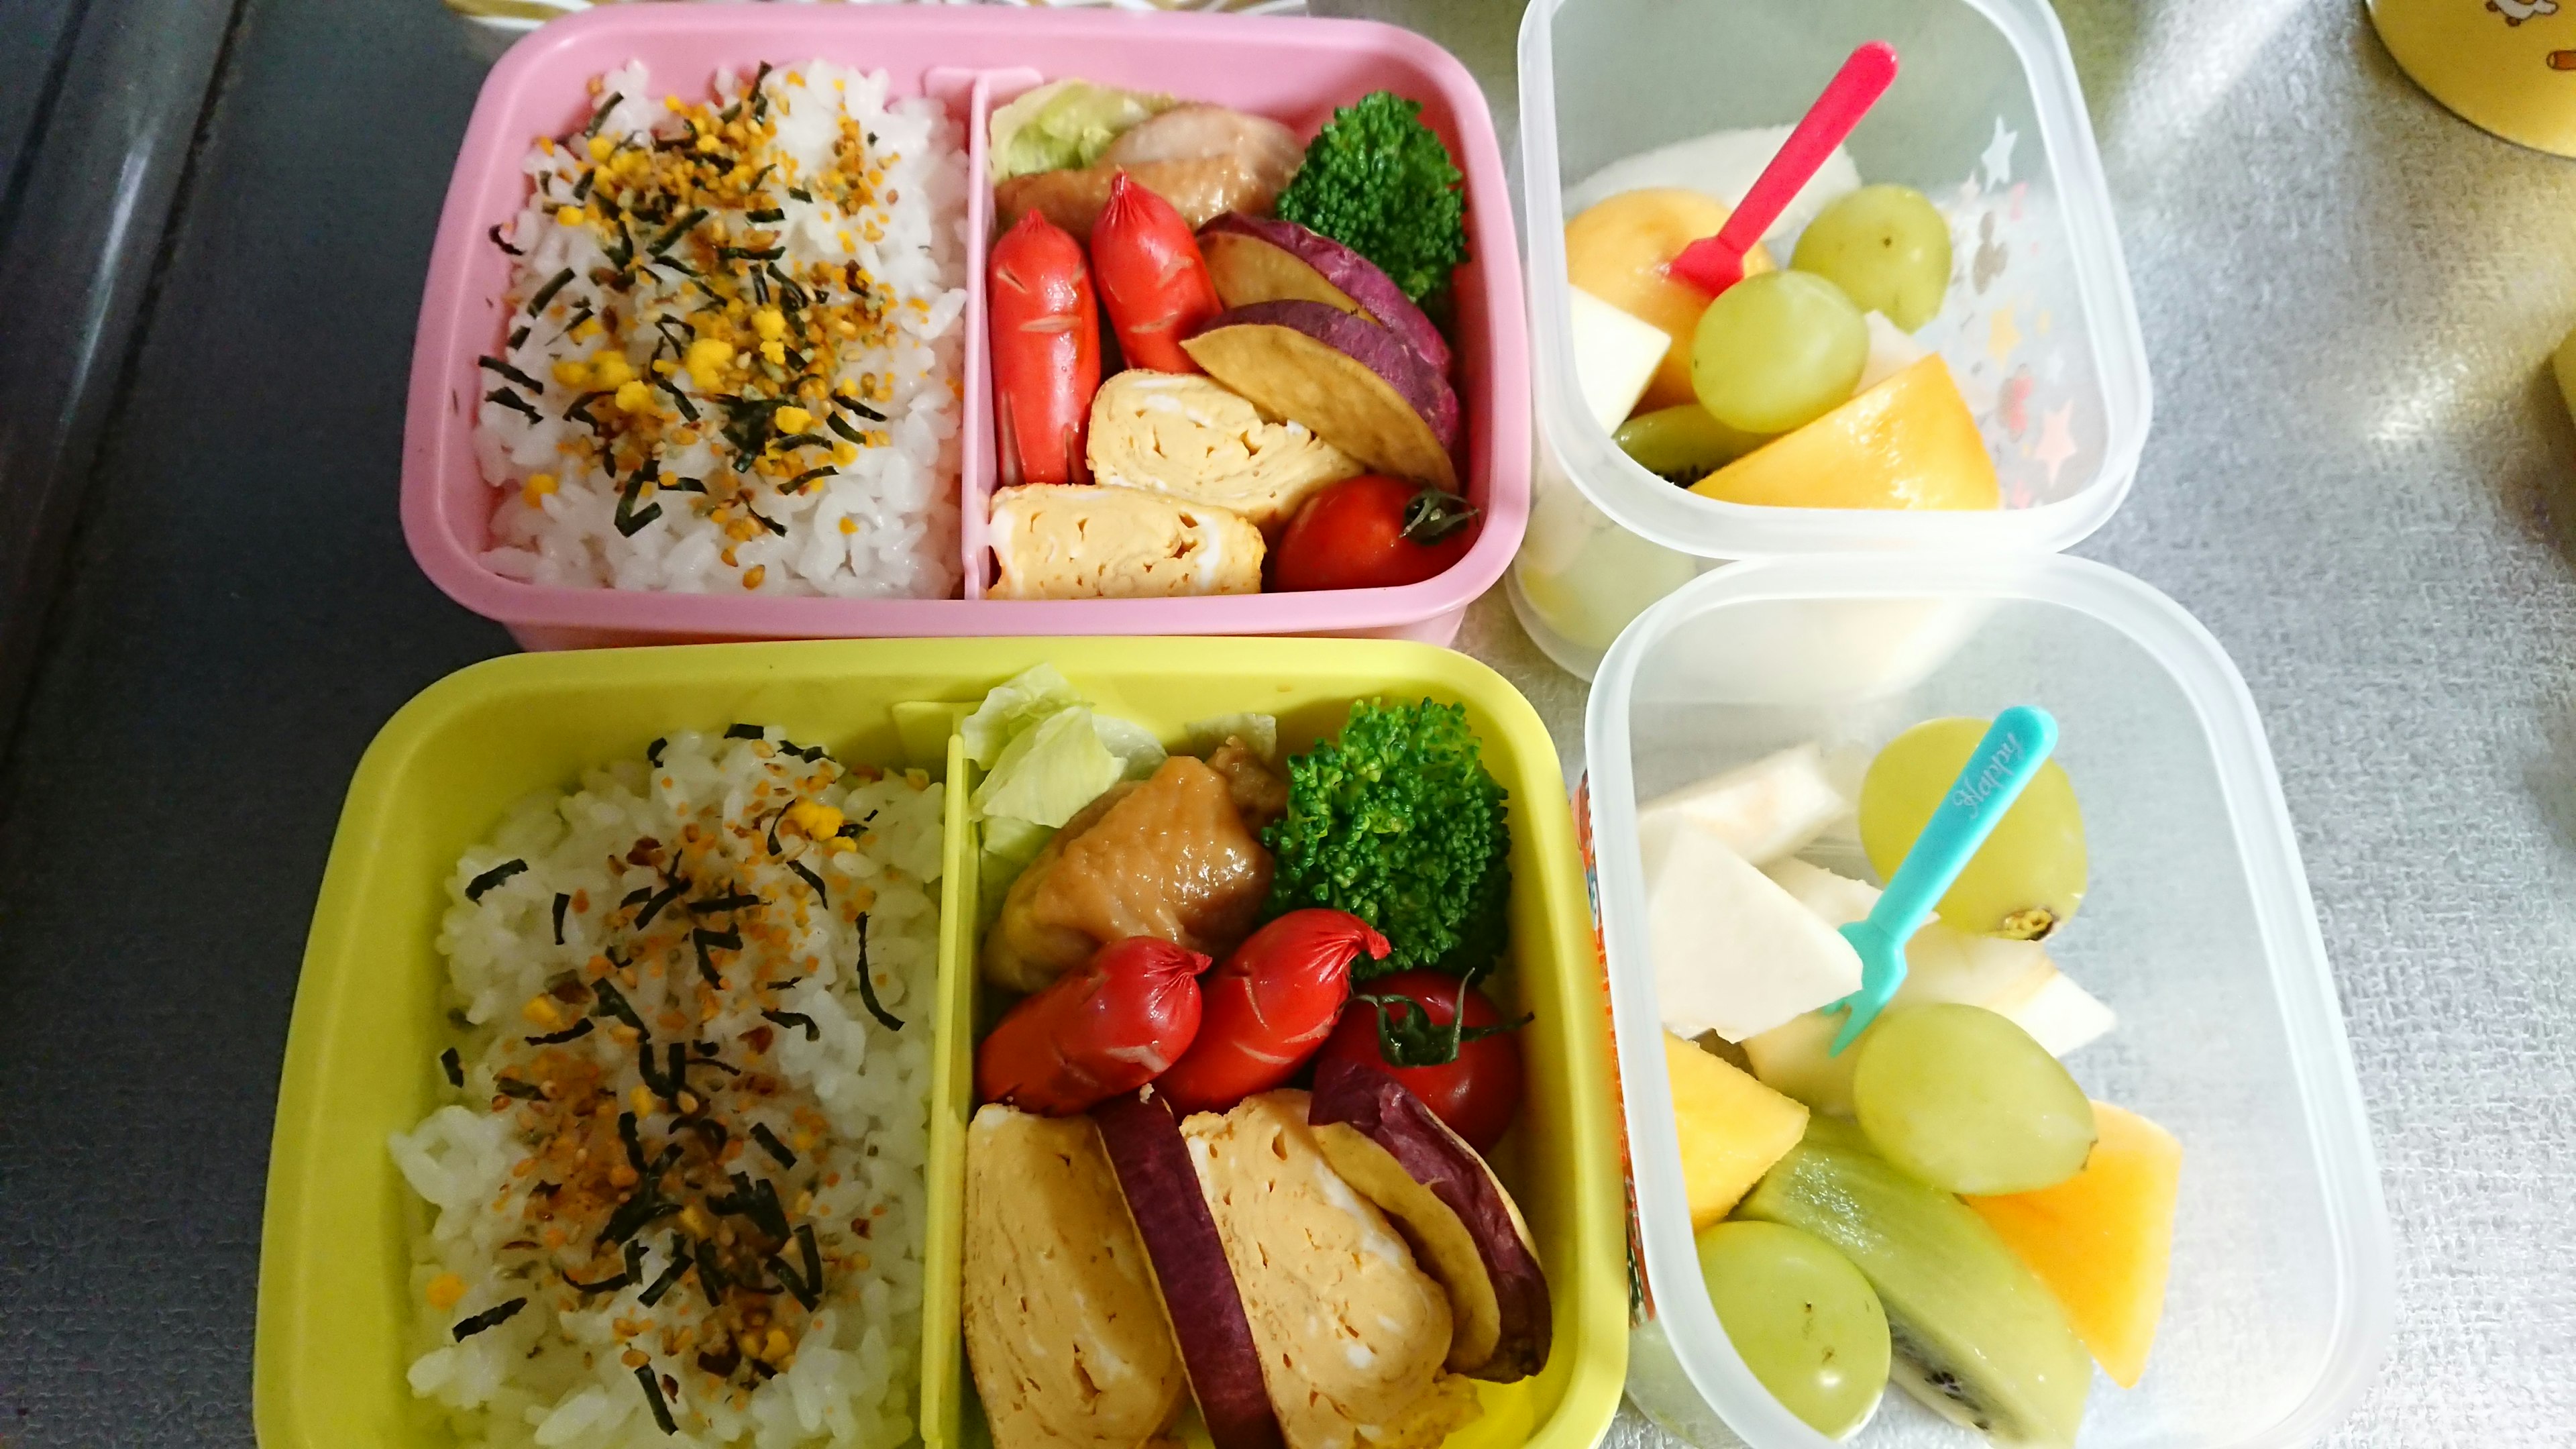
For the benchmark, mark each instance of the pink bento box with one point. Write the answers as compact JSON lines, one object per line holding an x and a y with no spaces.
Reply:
{"x":1293,"y":69}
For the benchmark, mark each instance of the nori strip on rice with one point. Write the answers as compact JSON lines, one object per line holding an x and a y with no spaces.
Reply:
{"x":494,"y":364}
{"x":653,"y":1395}
{"x":574,"y":1032}
{"x":608,"y":1284}
{"x":546,"y":293}
{"x":475,"y":888}
{"x":653,"y":907}
{"x":454,"y":1066}
{"x":514,"y":403}
{"x":796,"y":1019}
{"x":563,"y":903}
{"x":820,"y":895}
{"x":705,"y":941}
{"x":770,"y":1144}
{"x":492,"y":1317}
{"x":867,"y":984}
{"x":669,"y":1275}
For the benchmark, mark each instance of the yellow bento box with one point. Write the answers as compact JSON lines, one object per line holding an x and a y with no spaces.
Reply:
{"x":361,"y":1054}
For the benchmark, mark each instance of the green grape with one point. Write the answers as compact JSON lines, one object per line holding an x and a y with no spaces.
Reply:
{"x":1807,"y":1323}
{"x":1777,"y":351}
{"x":2025,"y":881}
{"x":1683,"y":444}
{"x":1886,"y":247}
{"x":1964,"y":1099}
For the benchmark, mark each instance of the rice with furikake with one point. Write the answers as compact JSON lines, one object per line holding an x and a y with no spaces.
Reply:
{"x":679,"y":1181}
{"x":731,"y":356}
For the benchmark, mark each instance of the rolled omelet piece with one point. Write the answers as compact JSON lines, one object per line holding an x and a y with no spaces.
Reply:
{"x":1078,"y":541}
{"x":1192,"y":438}
{"x":1065,"y":1329}
{"x":1352,"y":1332}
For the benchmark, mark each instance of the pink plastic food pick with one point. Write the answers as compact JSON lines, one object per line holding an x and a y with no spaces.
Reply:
{"x":1716,"y":263}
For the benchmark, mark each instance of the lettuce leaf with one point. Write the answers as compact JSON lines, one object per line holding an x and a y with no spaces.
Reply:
{"x":1065,"y":123}
{"x":1049,"y":773}
{"x":1015,"y":705}
{"x":1139,"y":753}
{"x":1258,"y":731}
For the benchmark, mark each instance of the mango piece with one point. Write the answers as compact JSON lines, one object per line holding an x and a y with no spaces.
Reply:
{"x":1617,"y":251}
{"x":1732,"y":1128}
{"x":2103,"y":1239}
{"x":1909,"y":442}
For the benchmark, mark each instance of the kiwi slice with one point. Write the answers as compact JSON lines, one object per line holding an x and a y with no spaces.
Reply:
{"x":1977,"y":1336}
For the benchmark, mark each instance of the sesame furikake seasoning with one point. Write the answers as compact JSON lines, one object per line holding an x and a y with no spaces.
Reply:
{"x":688,"y":1209}
{"x":722,"y":311}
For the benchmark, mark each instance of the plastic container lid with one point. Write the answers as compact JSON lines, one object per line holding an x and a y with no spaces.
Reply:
{"x":1987,"y":119}
{"x":2197,"y":930}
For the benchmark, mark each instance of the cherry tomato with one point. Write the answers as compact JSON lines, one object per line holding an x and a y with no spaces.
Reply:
{"x":1095,"y":1032}
{"x":1046,"y":352}
{"x":1268,"y":1008}
{"x":1469,"y":1078}
{"x":1372,"y":532}
{"x":1152,"y":278}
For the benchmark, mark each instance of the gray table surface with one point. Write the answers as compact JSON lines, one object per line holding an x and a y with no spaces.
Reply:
{"x":2359,"y":479}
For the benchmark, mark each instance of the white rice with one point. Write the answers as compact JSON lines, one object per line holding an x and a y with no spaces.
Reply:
{"x":523,"y":1189}
{"x":883,"y":186}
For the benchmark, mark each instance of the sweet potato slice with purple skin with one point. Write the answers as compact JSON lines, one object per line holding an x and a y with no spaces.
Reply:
{"x":1465,"y":1229}
{"x":1353,"y":383}
{"x":1261,"y":259}
{"x":1172,"y":1218}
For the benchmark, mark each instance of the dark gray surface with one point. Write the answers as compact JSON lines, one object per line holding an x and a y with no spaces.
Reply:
{"x":2356,"y":480}
{"x":241,"y":617}
{"x":31,"y":33}
{"x":102,"y":115}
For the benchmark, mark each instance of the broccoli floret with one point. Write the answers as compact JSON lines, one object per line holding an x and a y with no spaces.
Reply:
{"x":1379,"y":182}
{"x":1398,"y":823}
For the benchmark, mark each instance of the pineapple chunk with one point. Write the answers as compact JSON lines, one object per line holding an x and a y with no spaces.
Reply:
{"x":2103,"y":1239}
{"x":1732,"y":1128}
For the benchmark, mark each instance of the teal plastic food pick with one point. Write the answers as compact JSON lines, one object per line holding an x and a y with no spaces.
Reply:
{"x":2013,"y":750}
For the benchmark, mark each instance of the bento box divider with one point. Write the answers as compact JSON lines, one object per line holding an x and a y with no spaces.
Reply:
{"x":952,"y":1099}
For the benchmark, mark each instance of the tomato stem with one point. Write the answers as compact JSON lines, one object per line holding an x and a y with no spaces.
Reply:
{"x":1433,"y":514}
{"x":1409,"y":1038}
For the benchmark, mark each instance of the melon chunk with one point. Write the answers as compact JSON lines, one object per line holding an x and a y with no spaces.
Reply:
{"x":2103,"y":1239}
{"x":1909,"y":442}
{"x":1732,"y":1128}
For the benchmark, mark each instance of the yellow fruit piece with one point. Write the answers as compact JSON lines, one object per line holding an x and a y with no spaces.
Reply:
{"x":1617,"y":250}
{"x":2103,"y":1239}
{"x":1732,"y":1128}
{"x":1909,"y":442}
{"x":2562,"y":364}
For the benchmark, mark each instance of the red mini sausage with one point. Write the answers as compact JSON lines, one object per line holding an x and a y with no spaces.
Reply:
{"x":1269,"y":1007}
{"x":1152,"y":278}
{"x":1046,"y":352}
{"x":1106,"y":1028}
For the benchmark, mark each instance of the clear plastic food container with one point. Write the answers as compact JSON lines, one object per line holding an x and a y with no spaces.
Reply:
{"x":2197,"y":930}
{"x":1293,"y":69}
{"x":2039,"y":330}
